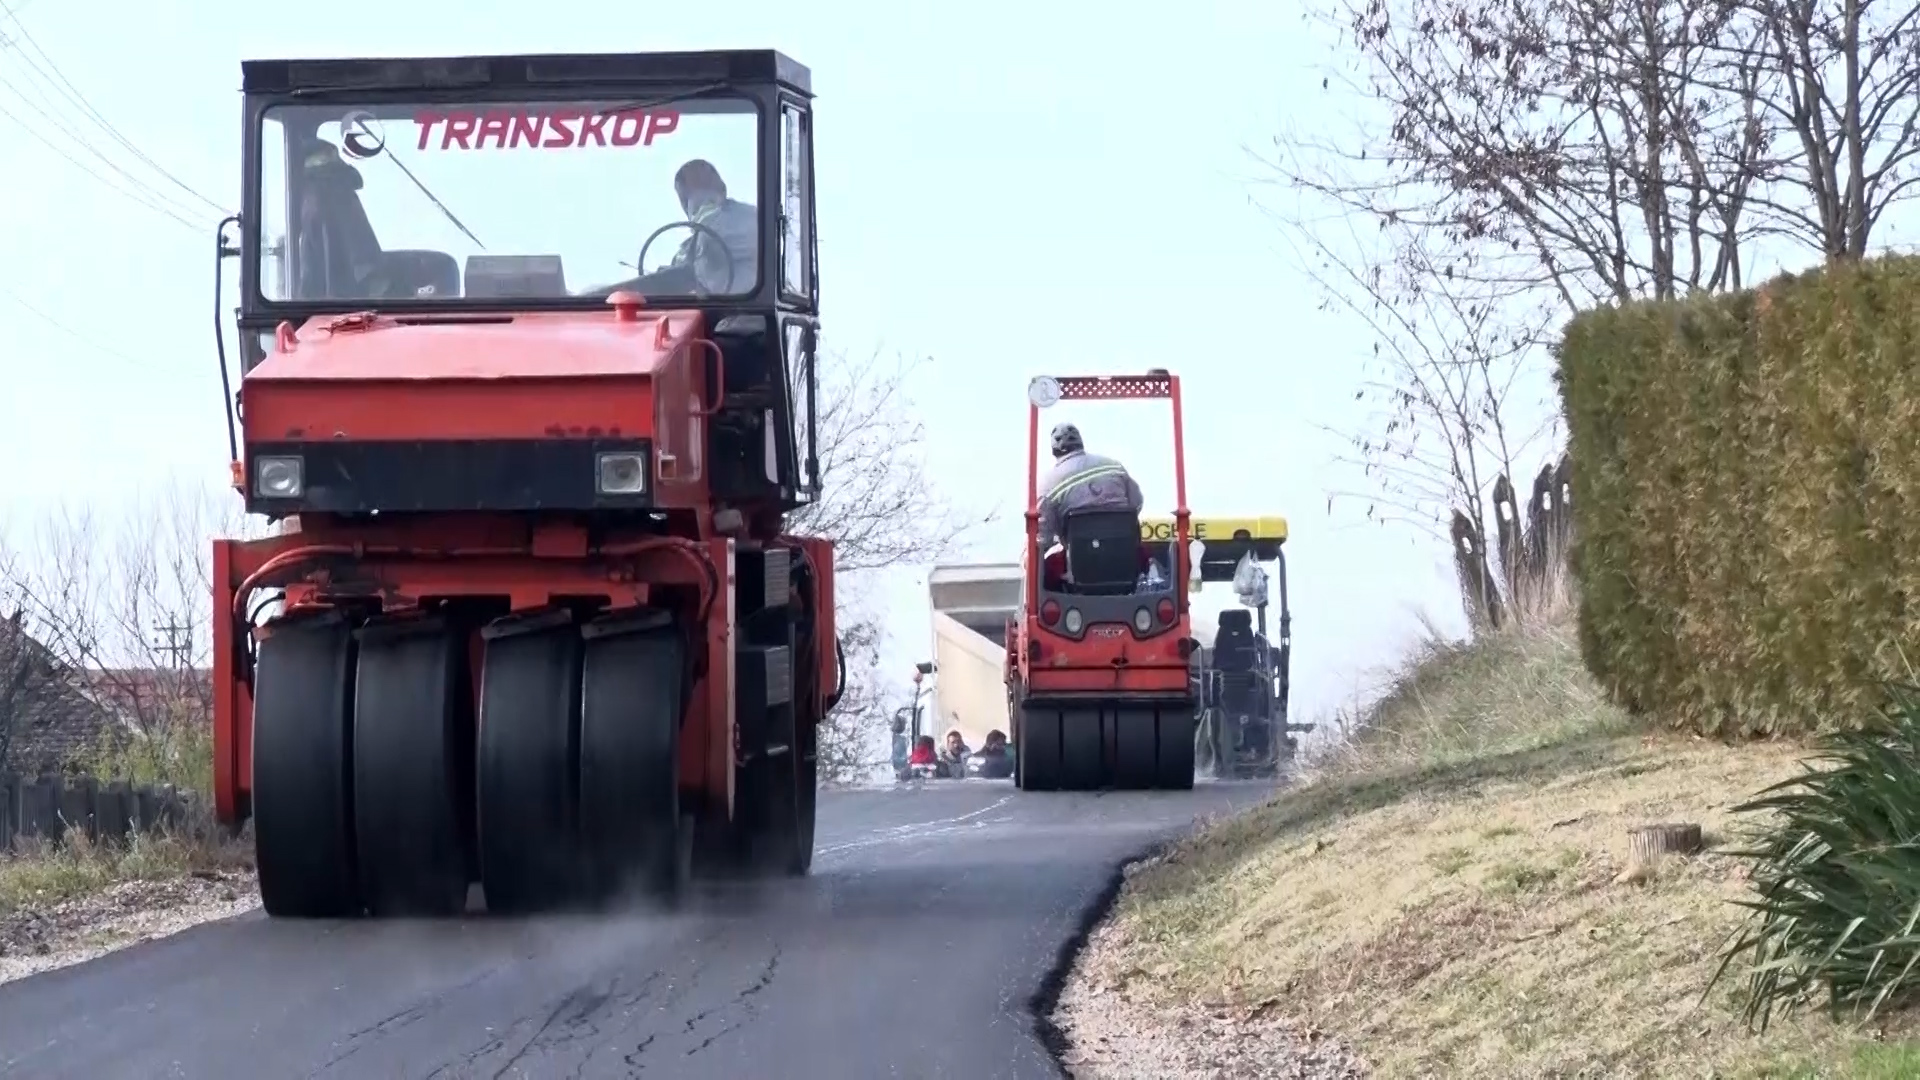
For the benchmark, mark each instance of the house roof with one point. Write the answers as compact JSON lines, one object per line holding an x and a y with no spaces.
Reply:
{"x":144,"y":696}
{"x":44,"y":702}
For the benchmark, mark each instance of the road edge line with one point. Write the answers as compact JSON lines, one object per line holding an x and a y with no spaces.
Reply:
{"x":1046,"y":998}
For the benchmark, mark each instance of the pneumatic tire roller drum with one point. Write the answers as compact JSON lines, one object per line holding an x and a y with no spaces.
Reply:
{"x":360,"y":793}
{"x":371,"y":797}
{"x":579,"y":799}
{"x":1106,"y":746}
{"x":412,"y":781}
{"x":303,"y":769}
{"x":630,"y":708}
{"x":527,"y":765}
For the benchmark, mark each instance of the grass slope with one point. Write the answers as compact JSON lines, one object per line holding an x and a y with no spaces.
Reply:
{"x":1443,"y":895}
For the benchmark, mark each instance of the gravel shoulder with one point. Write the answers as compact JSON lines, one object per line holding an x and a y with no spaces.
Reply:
{"x":1116,"y":1033}
{"x":72,"y":931}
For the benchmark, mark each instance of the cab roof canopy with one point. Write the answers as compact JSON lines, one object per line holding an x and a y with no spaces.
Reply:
{"x":447,"y":74}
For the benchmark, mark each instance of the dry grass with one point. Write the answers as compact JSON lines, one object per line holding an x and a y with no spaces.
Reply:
{"x":42,"y":874}
{"x":66,"y":904}
{"x":1443,"y":894}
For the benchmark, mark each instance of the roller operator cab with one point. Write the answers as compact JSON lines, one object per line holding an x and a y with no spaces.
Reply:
{"x":1098,"y":658}
{"x":527,"y":386}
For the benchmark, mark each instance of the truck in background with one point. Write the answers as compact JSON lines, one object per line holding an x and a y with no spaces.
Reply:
{"x":971,"y":604}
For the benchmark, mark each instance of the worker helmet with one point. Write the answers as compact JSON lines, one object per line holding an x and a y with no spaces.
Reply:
{"x":1066,"y":440}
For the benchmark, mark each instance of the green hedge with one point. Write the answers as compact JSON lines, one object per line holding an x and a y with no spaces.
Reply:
{"x":1746,"y":498}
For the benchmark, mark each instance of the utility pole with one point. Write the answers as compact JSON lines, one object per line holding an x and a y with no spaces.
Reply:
{"x":178,"y":644}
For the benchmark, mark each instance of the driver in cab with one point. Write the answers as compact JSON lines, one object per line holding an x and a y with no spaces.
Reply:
{"x":703,"y":196}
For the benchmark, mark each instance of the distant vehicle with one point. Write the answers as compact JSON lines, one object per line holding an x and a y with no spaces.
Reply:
{"x":1098,"y":658}
{"x":1243,"y":678}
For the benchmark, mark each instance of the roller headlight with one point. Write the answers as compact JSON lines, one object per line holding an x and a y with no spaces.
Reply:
{"x":620,"y":473}
{"x":278,"y":478}
{"x":1142,"y":620}
{"x":1075,"y":621}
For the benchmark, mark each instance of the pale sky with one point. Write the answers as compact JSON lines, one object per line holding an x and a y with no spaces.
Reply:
{"x":1010,"y":189}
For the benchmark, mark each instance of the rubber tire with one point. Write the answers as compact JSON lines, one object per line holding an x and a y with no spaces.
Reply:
{"x":528,"y":769}
{"x":302,"y":772}
{"x":780,"y":836}
{"x":1135,"y":751}
{"x":412,"y":768}
{"x":1175,"y":757}
{"x":806,"y":742}
{"x":777,"y":833}
{"x":1082,"y":759}
{"x":807,"y":792}
{"x":1040,"y":749}
{"x":1019,"y":755}
{"x":630,"y":719}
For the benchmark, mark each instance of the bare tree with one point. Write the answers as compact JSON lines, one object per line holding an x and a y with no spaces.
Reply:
{"x":1442,"y":370}
{"x":881,"y":511}
{"x":851,"y":748}
{"x":877,"y":504}
{"x":1508,"y":165}
{"x":1565,"y":146}
{"x":128,"y":607}
{"x":1838,"y":87}
{"x":1604,"y":150}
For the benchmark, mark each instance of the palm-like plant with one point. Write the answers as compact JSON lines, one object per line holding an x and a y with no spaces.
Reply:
{"x":1837,"y":869}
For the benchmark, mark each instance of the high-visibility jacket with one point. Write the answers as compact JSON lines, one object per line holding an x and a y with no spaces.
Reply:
{"x":1082,"y":481}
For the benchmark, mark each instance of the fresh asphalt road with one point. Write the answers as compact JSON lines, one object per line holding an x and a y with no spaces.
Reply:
{"x":933,"y":917}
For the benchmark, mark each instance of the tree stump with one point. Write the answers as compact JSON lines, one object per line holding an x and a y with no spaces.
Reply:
{"x":1647,"y":845}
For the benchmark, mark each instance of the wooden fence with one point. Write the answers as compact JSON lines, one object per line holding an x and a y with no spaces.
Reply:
{"x":1527,"y":559}
{"x":47,"y":806}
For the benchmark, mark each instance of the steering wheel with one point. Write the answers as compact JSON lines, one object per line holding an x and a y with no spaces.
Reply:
{"x":640,"y":263}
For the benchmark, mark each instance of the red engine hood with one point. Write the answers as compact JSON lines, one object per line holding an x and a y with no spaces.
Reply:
{"x":547,"y":375}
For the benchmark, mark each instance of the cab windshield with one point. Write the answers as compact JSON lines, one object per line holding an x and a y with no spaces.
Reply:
{"x":502,"y":201}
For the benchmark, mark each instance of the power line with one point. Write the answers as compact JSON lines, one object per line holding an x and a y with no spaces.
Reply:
{"x":47,"y":109}
{"x":72,"y":93}
{"x":140,"y":191}
{"x":136,"y":194}
{"x":83,"y":339}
